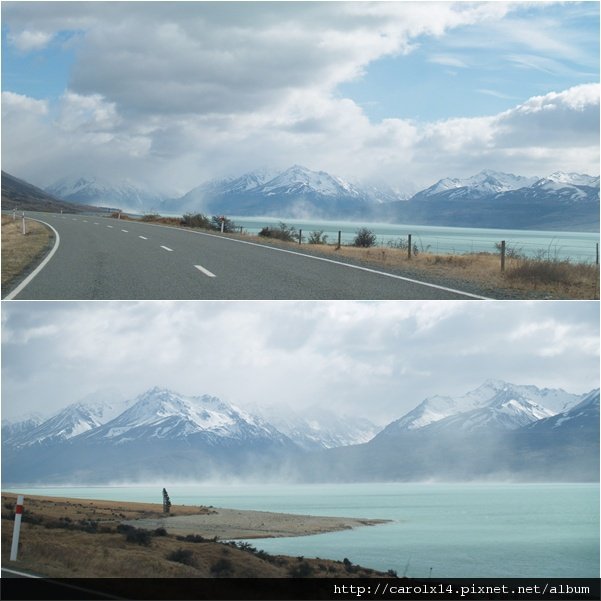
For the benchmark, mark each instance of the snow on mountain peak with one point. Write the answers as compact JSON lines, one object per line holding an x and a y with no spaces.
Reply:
{"x":484,"y":182}
{"x":298,"y":179}
{"x":573,"y":179}
{"x":494,"y":399}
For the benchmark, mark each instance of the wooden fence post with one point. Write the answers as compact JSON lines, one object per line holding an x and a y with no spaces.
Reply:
{"x":408,"y":246}
{"x":597,"y":255}
{"x":300,"y":236}
{"x":502,"y":255}
{"x":339,"y":234}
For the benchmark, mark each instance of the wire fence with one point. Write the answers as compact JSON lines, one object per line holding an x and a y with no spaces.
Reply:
{"x":573,"y":247}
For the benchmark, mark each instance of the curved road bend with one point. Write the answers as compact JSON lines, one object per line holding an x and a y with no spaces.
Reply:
{"x":104,"y":258}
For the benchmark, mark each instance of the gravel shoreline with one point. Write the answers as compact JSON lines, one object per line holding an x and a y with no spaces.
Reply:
{"x":227,"y":524}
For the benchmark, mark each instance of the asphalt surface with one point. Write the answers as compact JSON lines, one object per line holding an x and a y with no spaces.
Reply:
{"x":104,"y":258}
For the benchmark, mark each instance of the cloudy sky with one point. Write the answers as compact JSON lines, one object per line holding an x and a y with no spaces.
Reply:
{"x":372,"y":359}
{"x":172,"y":94}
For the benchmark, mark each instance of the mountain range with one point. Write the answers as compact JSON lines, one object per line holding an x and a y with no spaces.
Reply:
{"x":487,"y":199}
{"x":498,"y":429}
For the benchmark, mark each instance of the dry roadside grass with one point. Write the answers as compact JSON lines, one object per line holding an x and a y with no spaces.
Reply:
{"x":522,"y":278}
{"x":66,"y":538}
{"x":21,"y":253}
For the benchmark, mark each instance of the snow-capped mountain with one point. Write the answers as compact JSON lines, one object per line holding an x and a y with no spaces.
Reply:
{"x":294,"y":192}
{"x":571,"y":179}
{"x":484,"y":183}
{"x":568,"y":202}
{"x":88,"y":413}
{"x":508,"y":437}
{"x":531,"y":400}
{"x":505,"y":411}
{"x":579,"y":419}
{"x":300,"y":180}
{"x":316,"y":428}
{"x":92,"y":190}
{"x":164,"y":414}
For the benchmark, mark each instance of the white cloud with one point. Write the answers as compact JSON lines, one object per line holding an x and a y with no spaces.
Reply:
{"x":12,"y":104}
{"x":449,"y":61}
{"x":90,"y":113}
{"x":28,"y":41}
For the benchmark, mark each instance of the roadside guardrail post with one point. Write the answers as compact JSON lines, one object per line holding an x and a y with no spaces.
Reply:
{"x":339,"y":235}
{"x":502,"y":255}
{"x":408,"y":246}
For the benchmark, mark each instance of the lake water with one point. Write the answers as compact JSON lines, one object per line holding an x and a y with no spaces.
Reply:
{"x":446,"y":530}
{"x":577,"y":246}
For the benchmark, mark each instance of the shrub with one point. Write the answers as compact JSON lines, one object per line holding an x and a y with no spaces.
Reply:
{"x":317,"y":238}
{"x":400,"y":243}
{"x":196,"y":220}
{"x":184,"y":556}
{"x":160,"y":532}
{"x":222,"y":567}
{"x":150,"y":217}
{"x":364,"y":238}
{"x":139,"y":536}
{"x":348,"y":566}
{"x":284,"y":232}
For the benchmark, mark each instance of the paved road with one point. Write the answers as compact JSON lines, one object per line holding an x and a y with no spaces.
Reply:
{"x":103,"y":258}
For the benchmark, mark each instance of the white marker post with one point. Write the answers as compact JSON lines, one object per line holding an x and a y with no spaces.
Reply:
{"x":24,"y":226}
{"x":17,"y":528}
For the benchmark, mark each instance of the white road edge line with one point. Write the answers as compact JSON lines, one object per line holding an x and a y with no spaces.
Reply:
{"x":167,"y":248}
{"x":205,"y":271}
{"x":39,"y":268}
{"x":143,"y":237}
{"x":292,"y":252}
{"x":20,"y":573}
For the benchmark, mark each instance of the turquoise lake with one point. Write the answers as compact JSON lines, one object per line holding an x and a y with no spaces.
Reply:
{"x":444,"y":530}
{"x":576,"y":246}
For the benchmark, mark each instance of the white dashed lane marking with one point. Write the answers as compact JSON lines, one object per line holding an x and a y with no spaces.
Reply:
{"x":143,"y":237}
{"x":167,"y":248}
{"x":125,"y":231}
{"x":205,"y":271}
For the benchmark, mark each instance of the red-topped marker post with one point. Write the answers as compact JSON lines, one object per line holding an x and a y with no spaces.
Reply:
{"x":18,"y":513}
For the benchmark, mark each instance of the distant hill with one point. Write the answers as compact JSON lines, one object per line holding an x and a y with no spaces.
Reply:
{"x":19,"y":194}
